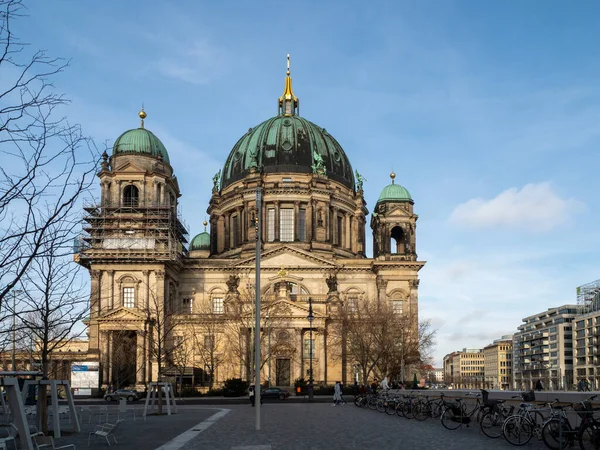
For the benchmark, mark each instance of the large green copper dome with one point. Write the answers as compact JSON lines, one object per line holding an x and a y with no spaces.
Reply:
{"x":287,"y":143}
{"x":142,"y":141}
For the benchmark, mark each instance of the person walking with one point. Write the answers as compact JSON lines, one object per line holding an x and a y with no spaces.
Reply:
{"x":539,"y":386}
{"x":337,"y":394}
{"x":251,"y":394}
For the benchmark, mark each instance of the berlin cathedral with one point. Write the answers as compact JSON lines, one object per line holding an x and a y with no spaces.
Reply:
{"x":161,"y":302}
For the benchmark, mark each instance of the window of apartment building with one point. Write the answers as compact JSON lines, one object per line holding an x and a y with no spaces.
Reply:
{"x":302,"y":225}
{"x":555,"y":345}
{"x":286,"y":224}
{"x":270,"y":224}
{"x":552,"y":330}
{"x":307,"y":348}
{"x":553,"y":354}
{"x":186,"y":305}
{"x":129,"y":297}
{"x":217,"y":305}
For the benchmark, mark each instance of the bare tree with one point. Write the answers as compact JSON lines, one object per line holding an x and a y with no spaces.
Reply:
{"x":163,"y":320}
{"x":52,"y":305}
{"x":379,"y":340}
{"x":239,"y":326}
{"x":46,"y":161}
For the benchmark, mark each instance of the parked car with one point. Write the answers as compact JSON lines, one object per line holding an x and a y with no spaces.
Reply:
{"x":128,"y":394}
{"x":276,"y":393}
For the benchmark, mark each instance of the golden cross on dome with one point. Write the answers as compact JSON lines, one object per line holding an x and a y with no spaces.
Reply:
{"x":282,"y":273}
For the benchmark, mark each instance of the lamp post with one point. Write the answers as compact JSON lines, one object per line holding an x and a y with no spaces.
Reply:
{"x":310,"y":319}
{"x":268,"y":350}
{"x":14,"y":329}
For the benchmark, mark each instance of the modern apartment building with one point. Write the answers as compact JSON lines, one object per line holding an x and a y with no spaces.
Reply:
{"x":464,"y":369}
{"x":498,"y":363}
{"x":543,"y":349}
{"x":587,"y":335}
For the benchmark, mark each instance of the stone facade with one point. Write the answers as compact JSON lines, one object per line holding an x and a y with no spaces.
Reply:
{"x":149,"y":291}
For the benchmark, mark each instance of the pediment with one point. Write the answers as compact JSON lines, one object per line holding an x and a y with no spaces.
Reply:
{"x":129,"y":167}
{"x":288,"y":257}
{"x":398,"y":210}
{"x":286,"y":309}
{"x":122,"y":314}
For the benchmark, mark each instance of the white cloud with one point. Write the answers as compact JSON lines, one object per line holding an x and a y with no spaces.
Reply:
{"x":536,"y":207}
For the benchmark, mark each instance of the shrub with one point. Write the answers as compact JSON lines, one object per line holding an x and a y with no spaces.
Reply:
{"x":235,"y":387}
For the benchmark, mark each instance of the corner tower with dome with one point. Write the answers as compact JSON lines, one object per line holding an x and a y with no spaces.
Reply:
{"x":147,"y":282}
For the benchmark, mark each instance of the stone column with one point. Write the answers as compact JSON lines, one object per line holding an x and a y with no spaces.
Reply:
{"x":323,"y":355}
{"x":162,"y":193}
{"x":309,"y":221}
{"x":227,"y":224}
{"x":143,"y":199}
{"x":244,"y":223}
{"x":296,"y":216}
{"x":327,"y":225}
{"x":381,"y":287}
{"x":146,"y":274}
{"x":277,"y":230}
{"x":109,"y":339}
{"x":348,"y":243}
{"x":140,"y":362}
{"x":300,"y":334}
{"x":238,"y":239}
{"x":111,"y":290}
{"x":95,"y":287}
{"x":335,"y":239}
{"x":104,"y":356}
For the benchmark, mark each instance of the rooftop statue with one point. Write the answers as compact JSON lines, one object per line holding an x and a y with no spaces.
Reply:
{"x":319,"y":166}
{"x":216,"y":178}
{"x":359,"y":181}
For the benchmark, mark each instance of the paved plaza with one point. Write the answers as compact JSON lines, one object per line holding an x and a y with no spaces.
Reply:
{"x":287,"y":426}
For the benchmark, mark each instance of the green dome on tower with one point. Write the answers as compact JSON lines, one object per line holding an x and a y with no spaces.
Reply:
{"x":394,"y":193}
{"x":140,"y":141}
{"x":201,"y":242}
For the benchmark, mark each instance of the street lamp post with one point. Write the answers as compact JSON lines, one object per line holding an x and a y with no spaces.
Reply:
{"x":310,"y":318}
{"x":269,"y":350}
{"x":14,"y":329}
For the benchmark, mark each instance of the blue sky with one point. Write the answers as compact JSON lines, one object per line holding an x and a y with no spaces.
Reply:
{"x":489,"y":112}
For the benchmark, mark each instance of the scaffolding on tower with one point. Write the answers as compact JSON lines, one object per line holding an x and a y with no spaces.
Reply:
{"x":140,"y":232}
{"x":588,"y":297}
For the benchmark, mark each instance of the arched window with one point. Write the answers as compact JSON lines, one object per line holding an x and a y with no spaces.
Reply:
{"x":130,"y":196}
{"x":397,"y":241}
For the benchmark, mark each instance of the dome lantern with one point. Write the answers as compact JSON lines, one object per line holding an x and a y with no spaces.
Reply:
{"x":289,"y":104}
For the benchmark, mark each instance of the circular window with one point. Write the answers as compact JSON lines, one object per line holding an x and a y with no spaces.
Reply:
{"x":337,"y":156}
{"x":239,"y":154}
{"x":287,"y":122}
{"x":287,"y":146}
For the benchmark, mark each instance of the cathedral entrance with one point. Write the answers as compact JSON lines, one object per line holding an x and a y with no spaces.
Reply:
{"x":282,"y":372}
{"x":123,"y":358}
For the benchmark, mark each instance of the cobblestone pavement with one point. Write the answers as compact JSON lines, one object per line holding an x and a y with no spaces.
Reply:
{"x":321,"y":426}
{"x":284,"y":426}
{"x":139,"y":434}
